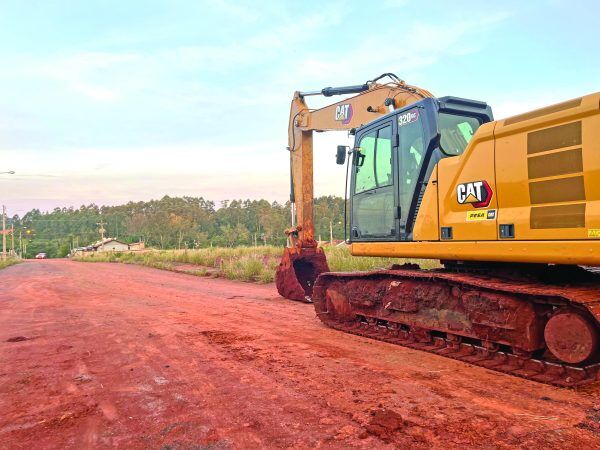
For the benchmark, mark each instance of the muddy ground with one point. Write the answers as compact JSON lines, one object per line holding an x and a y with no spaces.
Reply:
{"x":108,"y":355}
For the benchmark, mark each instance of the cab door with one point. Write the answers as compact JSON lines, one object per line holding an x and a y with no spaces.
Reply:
{"x":411,"y":158}
{"x":374,"y":197}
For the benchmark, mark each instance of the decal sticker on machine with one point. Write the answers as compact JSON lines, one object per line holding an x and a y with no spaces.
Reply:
{"x":477,"y":193}
{"x":594,"y":233}
{"x":486,"y":214}
{"x":343,"y":113}
{"x":408,"y":117}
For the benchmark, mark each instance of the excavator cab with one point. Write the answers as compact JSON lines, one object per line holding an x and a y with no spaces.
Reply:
{"x":394,"y":156}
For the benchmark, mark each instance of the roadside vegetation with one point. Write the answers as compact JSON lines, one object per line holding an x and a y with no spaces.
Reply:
{"x":8,"y":262}
{"x":171,"y":223}
{"x":254,"y":264}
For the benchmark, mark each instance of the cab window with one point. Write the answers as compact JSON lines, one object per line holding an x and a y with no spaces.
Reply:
{"x":411,"y":156}
{"x":456,"y":132}
{"x":374,"y":162}
{"x":383,"y":157}
{"x":365,"y":164}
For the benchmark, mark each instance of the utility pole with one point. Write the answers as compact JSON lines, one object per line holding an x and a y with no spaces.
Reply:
{"x":101,"y":230}
{"x":12,"y":239}
{"x":3,"y":232}
{"x":331,"y":232}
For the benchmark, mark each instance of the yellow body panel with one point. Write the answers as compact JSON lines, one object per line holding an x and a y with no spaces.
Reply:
{"x":547,"y":252}
{"x":427,"y":224}
{"x":475,"y":164}
{"x":547,"y":170}
{"x":543,"y":169}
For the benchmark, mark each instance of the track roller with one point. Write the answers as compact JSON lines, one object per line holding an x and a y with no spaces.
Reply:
{"x":571,"y":337}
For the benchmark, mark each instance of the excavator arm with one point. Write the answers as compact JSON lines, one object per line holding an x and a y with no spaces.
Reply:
{"x":303,"y":261}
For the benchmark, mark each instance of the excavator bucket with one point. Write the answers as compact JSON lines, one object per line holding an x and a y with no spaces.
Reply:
{"x":298,"y":271}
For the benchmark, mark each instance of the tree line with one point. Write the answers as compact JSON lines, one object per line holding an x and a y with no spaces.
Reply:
{"x":170,"y":223}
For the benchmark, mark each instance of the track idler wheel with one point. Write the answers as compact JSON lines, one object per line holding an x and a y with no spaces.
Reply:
{"x":298,"y":271}
{"x":571,"y":337}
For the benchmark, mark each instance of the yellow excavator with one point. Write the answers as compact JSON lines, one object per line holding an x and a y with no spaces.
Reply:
{"x":511,"y":208}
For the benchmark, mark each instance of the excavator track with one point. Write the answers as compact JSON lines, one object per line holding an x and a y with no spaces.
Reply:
{"x":480,"y":323}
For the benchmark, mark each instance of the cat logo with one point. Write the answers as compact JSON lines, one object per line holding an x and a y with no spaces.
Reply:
{"x":343,"y":113}
{"x":477,"y":193}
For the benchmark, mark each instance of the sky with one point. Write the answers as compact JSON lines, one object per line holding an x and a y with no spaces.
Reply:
{"x":110,"y":101}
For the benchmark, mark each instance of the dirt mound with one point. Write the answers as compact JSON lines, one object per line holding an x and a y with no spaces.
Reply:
{"x":384,"y":423}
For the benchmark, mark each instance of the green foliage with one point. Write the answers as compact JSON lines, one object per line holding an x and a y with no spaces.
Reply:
{"x":171,"y":223}
{"x":63,"y":250}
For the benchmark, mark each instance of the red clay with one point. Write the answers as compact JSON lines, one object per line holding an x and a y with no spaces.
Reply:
{"x":107,"y":355}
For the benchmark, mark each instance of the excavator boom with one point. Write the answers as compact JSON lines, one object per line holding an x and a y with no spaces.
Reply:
{"x":372,"y":101}
{"x":303,"y":261}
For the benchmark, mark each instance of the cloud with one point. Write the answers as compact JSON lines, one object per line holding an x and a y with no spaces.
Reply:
{"x":88,"y":73}
{"x":183,"y":74}
{"x":97,"y":93}
{"x":392,"y":4}
{"x":234,"y":10}
{"x":420,"y":45}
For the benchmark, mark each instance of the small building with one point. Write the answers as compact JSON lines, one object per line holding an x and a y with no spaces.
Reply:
{"x":137,"y":246}
{"x":110,"y":245}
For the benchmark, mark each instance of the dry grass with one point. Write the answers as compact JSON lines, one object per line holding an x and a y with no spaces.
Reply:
{"x":253,"y":264}
{"x":340,"y":260}
{"x":8,"y":262}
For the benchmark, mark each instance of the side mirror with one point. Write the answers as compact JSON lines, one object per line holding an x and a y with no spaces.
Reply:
{"x":340,"y":157}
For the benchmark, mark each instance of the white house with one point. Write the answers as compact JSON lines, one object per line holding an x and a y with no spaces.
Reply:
{"x":110,"y":245}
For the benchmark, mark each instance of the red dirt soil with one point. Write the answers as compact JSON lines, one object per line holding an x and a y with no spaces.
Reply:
{"x":99,"y":355}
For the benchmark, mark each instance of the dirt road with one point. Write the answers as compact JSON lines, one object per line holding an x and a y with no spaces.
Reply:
{"x":107,"y":355}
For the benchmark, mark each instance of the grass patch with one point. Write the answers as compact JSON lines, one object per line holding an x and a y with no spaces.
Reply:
{"x":340,"y":260}
{"x":202,"y":272}
{"x":252,"y":264}
{"x":8,"y":262}
{"x":246,"y":268}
